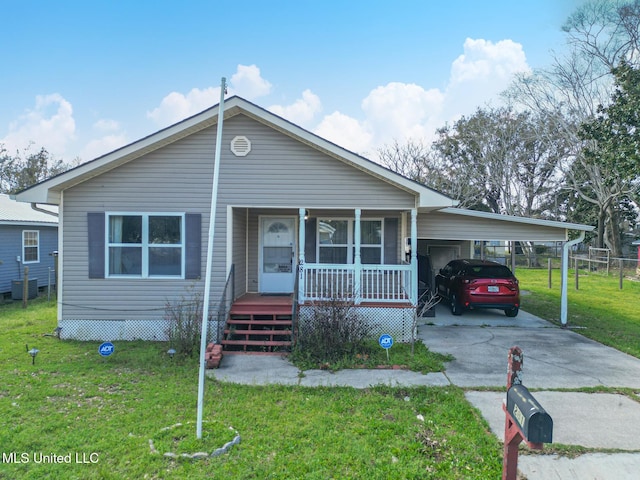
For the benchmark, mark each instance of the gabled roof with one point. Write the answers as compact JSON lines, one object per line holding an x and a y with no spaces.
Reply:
{"x":18,"y":213}
{"x":49,"y":191}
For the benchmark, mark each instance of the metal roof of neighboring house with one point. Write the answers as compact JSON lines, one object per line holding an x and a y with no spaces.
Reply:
{"x":19,"y":213}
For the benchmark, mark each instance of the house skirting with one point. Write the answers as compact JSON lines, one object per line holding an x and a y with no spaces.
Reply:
{"x":128,"y":330}
{"x":397,"y":321}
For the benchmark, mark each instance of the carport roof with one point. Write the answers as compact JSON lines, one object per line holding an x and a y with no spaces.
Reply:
{"x":514,"y":219}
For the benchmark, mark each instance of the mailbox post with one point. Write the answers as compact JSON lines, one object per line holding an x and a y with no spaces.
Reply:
{"x":525,"y":419}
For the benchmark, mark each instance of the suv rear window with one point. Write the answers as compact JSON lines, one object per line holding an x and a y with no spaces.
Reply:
{"x":489,"y":271}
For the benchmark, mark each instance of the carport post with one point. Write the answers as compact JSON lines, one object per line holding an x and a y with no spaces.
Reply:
{"x":512,"y":247}
{"x":565,"y":270}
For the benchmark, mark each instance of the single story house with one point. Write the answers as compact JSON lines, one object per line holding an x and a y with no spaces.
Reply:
{"x":298,"y":220}
{"x":28,"y":238}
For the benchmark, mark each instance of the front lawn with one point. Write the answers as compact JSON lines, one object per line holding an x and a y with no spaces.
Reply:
{"x":598,"y":309}
{"x":100,"y":413}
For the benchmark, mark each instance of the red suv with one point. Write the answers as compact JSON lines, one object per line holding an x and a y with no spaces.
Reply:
{"x":469,"y":284}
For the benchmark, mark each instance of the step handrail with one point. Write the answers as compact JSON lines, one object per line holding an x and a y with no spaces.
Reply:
{"x":224,"y":307}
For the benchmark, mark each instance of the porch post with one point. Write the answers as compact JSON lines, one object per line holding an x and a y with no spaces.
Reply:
{"x":357,"y":261}
{"x":414,"y":257}
{"x":301,"y":243}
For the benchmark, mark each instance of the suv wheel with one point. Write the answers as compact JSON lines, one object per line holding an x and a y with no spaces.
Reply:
{"x":456,"y":309}
{"x":512,"y":312}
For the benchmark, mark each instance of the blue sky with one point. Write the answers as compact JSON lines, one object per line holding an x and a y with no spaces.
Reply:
{"x":83,"y":78}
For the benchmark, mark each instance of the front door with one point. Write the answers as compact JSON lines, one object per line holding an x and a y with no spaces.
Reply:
{"x":277,"y":254}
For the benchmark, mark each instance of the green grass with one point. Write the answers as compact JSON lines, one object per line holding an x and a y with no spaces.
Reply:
{"x":75,"y":404}
{"x":418,"y":359}
{"x":105,"y":410}
{"x":599,"y":308}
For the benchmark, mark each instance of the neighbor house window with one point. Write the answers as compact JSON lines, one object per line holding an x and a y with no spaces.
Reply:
{"x":145,"y":245}
{"x":30,"y":246}
{"x":336,"y":241}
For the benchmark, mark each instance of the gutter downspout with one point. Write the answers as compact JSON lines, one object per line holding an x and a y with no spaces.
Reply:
{"x":35,"y":207}
{"x":565,"y":270}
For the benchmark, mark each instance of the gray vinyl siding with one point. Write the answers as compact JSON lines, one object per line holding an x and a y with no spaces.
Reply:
{"x":11,"y":248}
{"x":437,"y":225}
{"x":279,"y":172}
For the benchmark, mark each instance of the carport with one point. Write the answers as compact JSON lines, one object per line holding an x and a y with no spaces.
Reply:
{"x":450,"y":233}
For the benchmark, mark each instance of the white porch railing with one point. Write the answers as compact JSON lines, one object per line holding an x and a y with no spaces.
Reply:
{"x":368,"y":283}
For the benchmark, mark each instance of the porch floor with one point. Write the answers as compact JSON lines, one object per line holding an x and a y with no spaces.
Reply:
{"x":262,"y":299}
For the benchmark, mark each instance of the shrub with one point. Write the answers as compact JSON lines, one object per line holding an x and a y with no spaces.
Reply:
{"x":333,"y":331}
{"x":184,"y":318}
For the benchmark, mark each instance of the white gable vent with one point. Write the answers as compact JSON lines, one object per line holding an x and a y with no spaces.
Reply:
{"x":240,"y":146}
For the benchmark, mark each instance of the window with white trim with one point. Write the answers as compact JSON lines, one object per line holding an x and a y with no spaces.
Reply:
{"x":30,"y":246}
{"x":336,"y":241}
{"x":145,"y":245}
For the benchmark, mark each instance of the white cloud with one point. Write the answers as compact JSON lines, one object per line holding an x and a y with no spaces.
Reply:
{"x":303,"y":111}
{"x":483,"y":59}
{"x":345,"y":131}
{"x":246,"y":82}
{"x":401,"y":111}
{"x":176,"y":106}
{"x":100,"y":146}
{"x":481,"y":73}
{"x":106,"y":125}
{"x":394,"y":111}
{"x":50,"y":124}
{"x":110,"y":136}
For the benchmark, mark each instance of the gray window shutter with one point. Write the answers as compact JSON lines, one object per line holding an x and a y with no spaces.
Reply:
{"x":95,"y":226}
{"x":193,"y":245}
{"x":391,"y":240}
{"x":310,"y":240}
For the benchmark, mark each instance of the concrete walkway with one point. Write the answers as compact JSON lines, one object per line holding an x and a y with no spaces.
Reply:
{"x":554,"y":358}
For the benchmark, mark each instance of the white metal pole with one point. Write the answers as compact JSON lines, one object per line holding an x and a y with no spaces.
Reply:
{"x":414,"y":258}
{"x":207,"y":280}
{"x":564,"y":280}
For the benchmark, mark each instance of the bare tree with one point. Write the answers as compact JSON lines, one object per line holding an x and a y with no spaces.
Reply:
{"x":606,"y":31}
{"x":601,"y":34}
{"x":507,"y":160}
{"x":26,"y":168}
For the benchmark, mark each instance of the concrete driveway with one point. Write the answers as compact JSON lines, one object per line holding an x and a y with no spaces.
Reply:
{"x":554,"y":358}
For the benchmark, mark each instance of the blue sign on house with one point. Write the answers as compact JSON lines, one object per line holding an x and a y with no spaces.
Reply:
{"x":106,"y":349}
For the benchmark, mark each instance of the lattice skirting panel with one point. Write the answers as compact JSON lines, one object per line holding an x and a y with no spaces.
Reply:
{"x":109,"y":330}
{"x":395,"y":321}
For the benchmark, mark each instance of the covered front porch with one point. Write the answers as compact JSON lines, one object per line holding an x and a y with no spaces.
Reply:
{"x":317,"y":254}
{"x":284,"y":257}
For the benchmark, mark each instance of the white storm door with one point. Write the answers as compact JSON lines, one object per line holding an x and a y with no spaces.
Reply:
{"x":277,"y":254}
